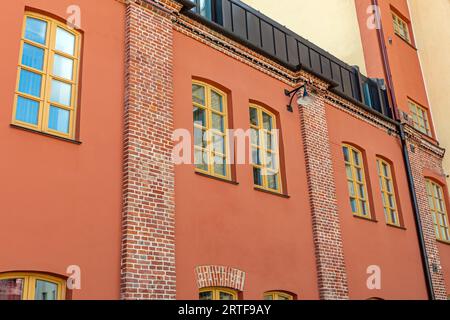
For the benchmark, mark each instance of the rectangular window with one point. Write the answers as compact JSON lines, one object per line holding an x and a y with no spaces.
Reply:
{"x":401,"y":28}
{"x":210,"y":130}
{"x":356,"y":181}
{"x":438,"y":209}
{"x":209,"y":9}
{"x":420,"y":118}
{"x":388,"y":192}
{"x":265,"y":149}
{"x":47,"y":84}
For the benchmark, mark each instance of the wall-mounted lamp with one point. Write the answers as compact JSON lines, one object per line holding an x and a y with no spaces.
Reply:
{"x":304,"y":98}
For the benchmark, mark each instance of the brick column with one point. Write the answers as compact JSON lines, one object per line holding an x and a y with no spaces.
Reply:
{"x":329,"y":251}
{"x":422,"y":158}
{"x":148,"y":228}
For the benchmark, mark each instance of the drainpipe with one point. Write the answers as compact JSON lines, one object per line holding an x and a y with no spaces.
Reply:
{"x":412,"y":191}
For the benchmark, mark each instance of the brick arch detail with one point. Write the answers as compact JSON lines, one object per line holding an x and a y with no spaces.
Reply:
{"x":220,"y":276}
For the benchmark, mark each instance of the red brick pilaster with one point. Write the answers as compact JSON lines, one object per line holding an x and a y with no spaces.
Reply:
{"x":148,"y":228}
{"x":328,"y":243}
{"x":424,"y":156}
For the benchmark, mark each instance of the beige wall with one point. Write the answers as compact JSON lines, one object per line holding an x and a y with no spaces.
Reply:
{"x":431,"y":24}
{"x":335,"y":30}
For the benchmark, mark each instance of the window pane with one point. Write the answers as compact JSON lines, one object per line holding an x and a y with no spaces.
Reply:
{"x":219,"y":166}
{"x":63,"y":67}
{"x":267,"y":121}
{"x":225,"y":296}
{"x":30,"y":83}
{"x":346,"y":154}
{"x":198,"y":94}
{"x":257,"y":177}
{"x":65,"y":41}
{"x":218,"y":122}
{"x":272,"y":181}
{"x":216,"y":101}
{"x":271,"y":161}
{"x":206,"y":295}
{"x":354,"y":205}
{"x":254,"y":136}
{"x":254,"y":117}
{"x":61,"y":92}
{"x":33,"y":56}
{"x":59,"y":119}
{"x":201,"y":160}
{"x":268,"y":297}
{"x":27,"y":110}
{"x":269,"y":141}
{"x":200,"y":137}
{"x":256,"y":156}
{"x":36,"y":30}
{"x":356,"y":158}
{"x":46,"y":290}
{"x":206,"y":9}
{"x":218,"y":143}
{"x":200,"y":116}
{"x":11,"y":289}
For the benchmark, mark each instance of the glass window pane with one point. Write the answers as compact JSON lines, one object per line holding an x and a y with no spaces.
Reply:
{"x":225,"y":296}
{"x":200,"y":116}
{"x":269,"y":141}
{"x":216,"y":101}
{"x":63,"y":67}
{"x":27,"y":110}
{"x":348,"y":170}
{"x":59,"y":119}
{"x":30,"y":83}
{"x":268,"y":297}
{"x":254,"y":117}
{"x":271,"y":161}
{"x":257,"y":177}
{"x":206,"y":295}
{"x":272,"y":181}
{"x":65,"y":41}
{"x":351,"y":189}
{"x":267,"y":122}
{"x":36,"y":30}
{"x":346,"y":154}
{"x":218,"y":122}
{"x":206,"y":9}
{"x":198,"y":94}
{"x":218,"y":143}
{"x":254,"y":136}
{"x":46,"y":290}
{"x":61,"y":92}
{"x":11,"y":289}
{"x":220,"y":165}
{"x":256,"y":156}
{"x":201,"y":159}
{"x":361,"y":191}
{"x":33,"y":56}
{"x":356,"y":158}
{"x":200,"y":139}
{"x":354,"y":205}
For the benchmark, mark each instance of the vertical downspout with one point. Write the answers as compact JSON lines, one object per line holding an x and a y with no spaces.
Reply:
{"x":412,"y":191}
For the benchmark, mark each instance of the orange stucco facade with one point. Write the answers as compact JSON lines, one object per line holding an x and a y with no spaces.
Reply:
{"x":62,"y":201}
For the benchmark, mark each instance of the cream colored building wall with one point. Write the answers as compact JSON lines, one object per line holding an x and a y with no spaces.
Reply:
{"x":431,"y":26}
{"x":330,"y":24}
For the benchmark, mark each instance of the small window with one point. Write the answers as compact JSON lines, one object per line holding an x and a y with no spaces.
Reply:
{"x":218,"y":293}
{"x":277,"y":295}
{"x":420,"y":118}
{"x":23,"y":286}
{"x":356,"y":181}
{"x":210,"y":131}
{"x":388,"y":192}
{"x":401,"y":28}
{"x":265,"y":149}
{"x":209,"y":9}
{"x":47,"y":81}
{"x":438,"y":210}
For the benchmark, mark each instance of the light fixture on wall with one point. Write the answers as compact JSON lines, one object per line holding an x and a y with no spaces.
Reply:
{"x":303,"y":97}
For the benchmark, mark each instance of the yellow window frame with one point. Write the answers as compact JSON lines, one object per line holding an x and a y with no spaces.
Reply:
{"x":29,"y":283}
{"x":420,"y":118}
{"x":401,"y":28}
{"x":278,"y":295}
{"x":210,"y":131}
{"x":263,"y":150}
{"x":216,"y":291}
{"x":438,"y":209}
{"x":353,"y":180}
{"x":47,"y":77}
{"x":386,"y":183}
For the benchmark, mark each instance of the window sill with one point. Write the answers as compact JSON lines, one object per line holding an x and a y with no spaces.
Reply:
{"x":281,"y":195}
{"x":217,"y":178}
{"x":365,"y":219}
{"x":45,"y":134}
{"x":443,"y":242}
{"x":395,"y":226}
{"x":405,"y":41}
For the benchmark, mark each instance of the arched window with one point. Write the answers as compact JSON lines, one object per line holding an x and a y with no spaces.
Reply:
{"x":391,"y":211}
{"x":278,"y":295}
{"x":210,"y":126}
{"x":218,"y":293}
{"x":31,"y":286}
{"x":47,"y":81}
{"x":356,"y":181}
{"x":265,"y":149}
{"x":438,"y":210}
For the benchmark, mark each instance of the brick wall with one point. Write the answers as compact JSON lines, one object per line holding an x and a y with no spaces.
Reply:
{"x":421,"y":160}
{"x":220,"y":276}
{"x":148,"y":240}
{"x":330,"y":262}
